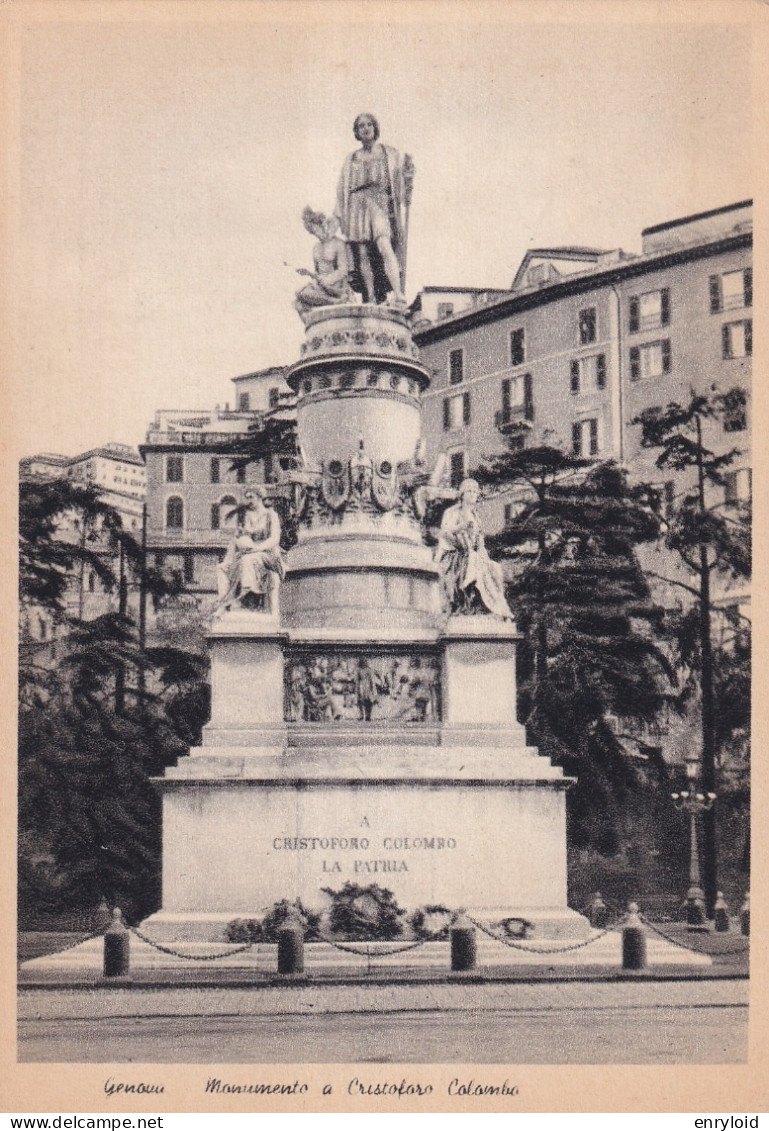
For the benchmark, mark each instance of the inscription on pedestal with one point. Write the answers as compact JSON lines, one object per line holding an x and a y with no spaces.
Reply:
{"x":364,"y":855}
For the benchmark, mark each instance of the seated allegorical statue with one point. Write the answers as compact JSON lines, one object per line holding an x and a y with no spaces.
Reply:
{"x":330,"y":279}
{"x":470,"y":580}
{"x":253,"y":564}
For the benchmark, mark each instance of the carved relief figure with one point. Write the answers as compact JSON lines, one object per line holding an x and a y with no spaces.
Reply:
{"x":373,"y":199}
{"x":253,"y":565}
{"x":470,"y":580}
{"x":330,"y":283}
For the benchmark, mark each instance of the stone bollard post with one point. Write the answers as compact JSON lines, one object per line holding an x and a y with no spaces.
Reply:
{"x":463,"y":944}
{"x":720,"y":913}
{"x":598,"y":912}
{"x":745,"y":915}
{"x":291,"y":946}
{"x":117,"y":947}
{"x":633,"y":941}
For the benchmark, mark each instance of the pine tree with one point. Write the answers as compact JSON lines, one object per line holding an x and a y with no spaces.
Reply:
{"x":712,"y":541}
{"x":91,"y":734}
{"x":592,"y":658}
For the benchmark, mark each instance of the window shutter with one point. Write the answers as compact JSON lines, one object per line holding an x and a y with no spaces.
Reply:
{"x":214,"y":516}
{"x":465,"y":408}
{"x":715,"y":293}
{"x":748,"y":286}
{"x":664,"y":306}
{"x":748,"y":337}
{"x":635,"y":363}
{"x":506,"y":396}
{"x":635,"y":315}
{"x":528,"y":396}
{"x":576,"y":439}
{"x":600,"y":375}
{"x":575,"y":376}
{"x":666,"y":355}
{"x":593,"y":437}
{"x":446,"y":414}
{"x":726,"y":341}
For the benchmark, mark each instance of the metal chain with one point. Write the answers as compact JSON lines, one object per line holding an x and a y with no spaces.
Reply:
{"x":191,"y":957}
{"x":380,"y":953}
{"x":539,"y":949}
{"x":692,"y":949}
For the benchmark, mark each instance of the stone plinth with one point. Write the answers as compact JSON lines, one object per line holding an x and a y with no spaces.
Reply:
{"x":360,"y":735}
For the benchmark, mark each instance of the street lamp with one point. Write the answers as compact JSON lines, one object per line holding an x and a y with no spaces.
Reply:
{"x":692,"y":802}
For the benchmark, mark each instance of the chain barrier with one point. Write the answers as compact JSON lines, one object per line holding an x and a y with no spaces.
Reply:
{"x":379,"y":953}
{"x":692,"y":949}
{"x":540,"y":949}
{"x":192,"y":957}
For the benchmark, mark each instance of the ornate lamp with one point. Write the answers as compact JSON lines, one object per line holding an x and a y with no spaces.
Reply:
{"x":692,"y":802}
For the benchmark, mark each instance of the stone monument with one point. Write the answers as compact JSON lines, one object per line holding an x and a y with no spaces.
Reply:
{"x":363,"y":723}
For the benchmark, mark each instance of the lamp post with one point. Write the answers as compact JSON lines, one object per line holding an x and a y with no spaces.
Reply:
{"x":692,"y":802}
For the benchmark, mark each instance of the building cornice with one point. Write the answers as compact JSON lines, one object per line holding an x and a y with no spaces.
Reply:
{"x":571,"y":285}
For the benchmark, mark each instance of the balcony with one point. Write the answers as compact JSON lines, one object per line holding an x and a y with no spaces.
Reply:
{"x":512,"y":418}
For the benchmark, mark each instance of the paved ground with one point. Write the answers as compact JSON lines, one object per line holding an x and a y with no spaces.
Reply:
{"x":692,"y":1022}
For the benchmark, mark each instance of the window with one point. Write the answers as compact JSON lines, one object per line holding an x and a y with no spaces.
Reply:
{"x":731,"y":290}
{"x":587,"y":326}
{"x":174,"y":513}
{"x":588,"y":373}
{"x":738,"y":486}
{"x":456,"y":366}
{"x":274,"y":397}
{"x":652,"y":360}
{"x":244,"y":402}
{"x":91,"y":582}
{"x":735,"y":417}
{"x":517,"y":347}
{"x":445,"y":309}
{"x":189,"y":567}
{"x":517,"y":398}
{"x":240,"y":475}
{"x":456,"y":411}
{"x":508,"y":513}
{"x":228,"y":512}
{"x":215,"y":470}
{"x":649,"y":311}
{"x":584,"y":438}
{"x":214,"y":516}
{"x":174,"y":469}
{"x":737,"y":339}
{"x":457,"y":468}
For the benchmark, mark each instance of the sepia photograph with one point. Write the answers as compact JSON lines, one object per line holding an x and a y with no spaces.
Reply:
{"x":380,"y":419}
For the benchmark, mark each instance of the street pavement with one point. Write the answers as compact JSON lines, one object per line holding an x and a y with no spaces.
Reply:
{"x":569,"y":1022}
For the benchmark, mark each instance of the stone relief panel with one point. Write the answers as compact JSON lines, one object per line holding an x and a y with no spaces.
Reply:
{"x":337,"y":687}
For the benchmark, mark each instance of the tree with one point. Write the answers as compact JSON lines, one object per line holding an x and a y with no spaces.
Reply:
{"x":96,"y":726}
{"x":712,"y":541}
{"x":58,"y":538}
{"x":592,"y":659}
{"x":87,"y":808}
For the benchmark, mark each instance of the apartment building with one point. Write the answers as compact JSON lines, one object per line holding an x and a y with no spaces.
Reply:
{"x":585,"y":340}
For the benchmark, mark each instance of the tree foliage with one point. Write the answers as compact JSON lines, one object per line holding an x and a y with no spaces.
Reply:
{"x":712,"y":541}
{"x":95,"y":725}
{"x":593,"y":658}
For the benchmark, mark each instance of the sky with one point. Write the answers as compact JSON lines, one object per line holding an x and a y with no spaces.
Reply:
{"x":162,"y":156}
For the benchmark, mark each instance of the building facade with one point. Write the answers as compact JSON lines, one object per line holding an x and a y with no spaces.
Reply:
{"x":193,"y":489}
{"x":585,"y":340}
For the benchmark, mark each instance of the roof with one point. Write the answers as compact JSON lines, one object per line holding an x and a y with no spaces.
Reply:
{"x":577,"y":282}
{"x":696,"y":216}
